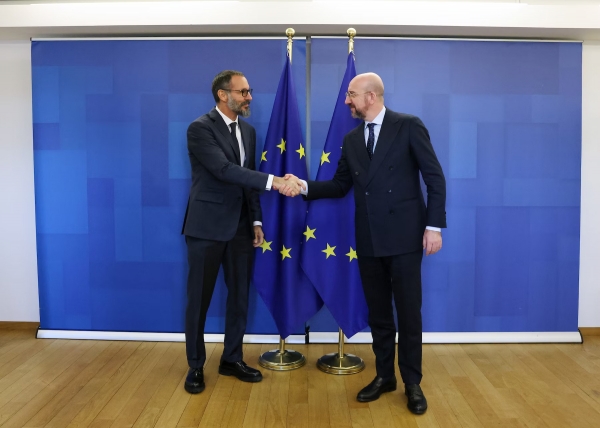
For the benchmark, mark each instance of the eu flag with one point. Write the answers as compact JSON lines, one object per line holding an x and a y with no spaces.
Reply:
{"x":329,"y":250}
{"x":278,"y":277}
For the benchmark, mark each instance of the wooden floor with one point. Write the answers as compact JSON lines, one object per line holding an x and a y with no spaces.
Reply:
{"x":69,"y":383}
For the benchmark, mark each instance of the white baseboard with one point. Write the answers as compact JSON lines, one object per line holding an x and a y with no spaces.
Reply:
{"x":321,"y":337}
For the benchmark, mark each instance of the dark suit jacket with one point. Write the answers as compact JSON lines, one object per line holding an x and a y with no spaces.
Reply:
{"x":391,"y":214}
{"x":219,"y":183}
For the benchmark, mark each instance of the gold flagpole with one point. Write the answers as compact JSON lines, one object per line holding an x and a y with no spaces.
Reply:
{"x":283,"y":359}
{"x":340,"y":363}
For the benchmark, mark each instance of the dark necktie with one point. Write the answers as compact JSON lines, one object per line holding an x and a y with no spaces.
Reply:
{"x":233,"y":125}
{"x":371,"y":140}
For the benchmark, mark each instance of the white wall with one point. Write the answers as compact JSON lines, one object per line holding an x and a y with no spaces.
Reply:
{"x":501,"y":18}
{"x":18,"y":266}
{"x":589,"y":267}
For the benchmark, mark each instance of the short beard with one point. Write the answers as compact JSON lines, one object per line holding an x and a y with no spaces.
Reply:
{"x":357,"y":114}
{"x":237,"y":107}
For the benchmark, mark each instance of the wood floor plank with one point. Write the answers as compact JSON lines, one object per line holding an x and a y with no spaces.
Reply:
{"x":19,"y":367}
{"x":297,"y":415}
{"x":193,"y":412}
{"x":437,"y":404}
{"x":153,"y":410}
{"x":134,"y":406}
{"x":487,"y":390}
{"x":127,"y":390}
{"x":539,"y":388}
{"x":22,"y":377}
{"x":64,"y":416}
{"x":277,"y":400}
{"x":502,"y":377}
{"x":578,"y":397}
{"x":361,"y":418}
{"x":318,"y":404}
{"x":438,"y":362}
{"x":339,"y":411}
{"x":256,"y":410}
{"x":51,"y":383}
{"x":97,"y":402}
{"x":58,"y":383}
{"x":176,"y":405}
{"x":15,"y":348}
{"x":61,"y":398}
{"x":219,"y":398}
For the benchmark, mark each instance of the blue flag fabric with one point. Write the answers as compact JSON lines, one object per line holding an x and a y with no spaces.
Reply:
{"x":329,"y":251}
{"x":278,"y":277}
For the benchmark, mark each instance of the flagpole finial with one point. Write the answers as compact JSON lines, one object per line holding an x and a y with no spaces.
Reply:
{"x":290,"y":34}
{"x":351,"y":33}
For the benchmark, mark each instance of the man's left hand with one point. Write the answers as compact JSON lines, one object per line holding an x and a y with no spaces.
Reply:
{"x":432,"y":241}
{"x":259,"y":236}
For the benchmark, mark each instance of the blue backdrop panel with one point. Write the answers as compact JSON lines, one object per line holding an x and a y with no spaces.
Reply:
{"x":505,"y":121}
{"x":112,"y":173}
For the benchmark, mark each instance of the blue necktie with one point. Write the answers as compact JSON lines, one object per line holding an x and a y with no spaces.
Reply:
{"x":371,"y":140}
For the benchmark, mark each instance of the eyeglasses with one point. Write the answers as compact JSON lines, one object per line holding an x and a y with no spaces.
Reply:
{"x":243,"y":92}
{"x":350,"y":94}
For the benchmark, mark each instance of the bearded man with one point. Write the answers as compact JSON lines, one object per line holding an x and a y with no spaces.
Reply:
{"x":223,"y":222}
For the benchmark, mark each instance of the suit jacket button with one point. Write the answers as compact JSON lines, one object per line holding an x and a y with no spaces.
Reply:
{"x":367,"y":193}
{"x":391,"y":168}
{"x":356,"y":173}
{"x":390,"y":191}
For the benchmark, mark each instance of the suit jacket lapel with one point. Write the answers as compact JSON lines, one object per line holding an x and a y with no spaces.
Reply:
{"x":225,"y":131}
{"x":387,"y":135}
{"x":360,"y":147}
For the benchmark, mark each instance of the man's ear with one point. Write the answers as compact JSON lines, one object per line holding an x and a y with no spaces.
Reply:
{"x":222,"y":95}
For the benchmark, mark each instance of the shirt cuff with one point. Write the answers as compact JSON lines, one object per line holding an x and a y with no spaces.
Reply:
{"x":257,"y":223}
{"x":270,"y":182}
{"x":304,"y":190}
{"x":435,"y":229}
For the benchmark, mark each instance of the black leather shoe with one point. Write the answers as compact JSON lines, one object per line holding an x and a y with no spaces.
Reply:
{"x":416,"y":399}
{"x":194,"y":382}
{"x":372,"y":391}
{"x":240,"y":370}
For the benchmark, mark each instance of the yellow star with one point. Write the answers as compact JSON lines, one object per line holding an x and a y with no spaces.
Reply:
{"x":310,"y":233}
{"x":264,"y":156}
{"x":325,"y":157}
{"x":266,"y":245}
{"x":352,"y":254}
{"x":285,"y":253}
{"x":282,"y":146}
{"x":329,"y":251}
{"x":301,"y":151}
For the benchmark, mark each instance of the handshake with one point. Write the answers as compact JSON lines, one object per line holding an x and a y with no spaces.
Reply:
{"x":288,"y":185}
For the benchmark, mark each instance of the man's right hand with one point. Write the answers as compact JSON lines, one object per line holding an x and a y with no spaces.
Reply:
{"x":289,"y":185}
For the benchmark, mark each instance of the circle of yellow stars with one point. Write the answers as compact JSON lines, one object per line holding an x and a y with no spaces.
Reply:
{"x":282,"y":146}
{"x":308,"y":233}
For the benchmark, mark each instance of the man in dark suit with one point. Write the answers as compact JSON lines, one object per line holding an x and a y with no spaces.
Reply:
{"x":222,"y":224}
{"x":382,"y":159}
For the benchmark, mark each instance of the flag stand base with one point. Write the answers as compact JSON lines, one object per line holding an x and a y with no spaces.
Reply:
{"x":340,"y":363}
{"x":281,"y":359}
{"x":334,"y":364}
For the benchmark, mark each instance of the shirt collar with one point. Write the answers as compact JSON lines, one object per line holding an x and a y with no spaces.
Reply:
{"x":378,"y":120}
{"x":226,"y":119}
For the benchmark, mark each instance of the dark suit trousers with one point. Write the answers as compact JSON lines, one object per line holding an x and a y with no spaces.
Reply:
{"x":205,"y":258}
{"x":398,"y":278}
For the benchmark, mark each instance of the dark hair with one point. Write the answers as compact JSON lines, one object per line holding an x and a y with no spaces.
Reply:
{"x":222,"y":81}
